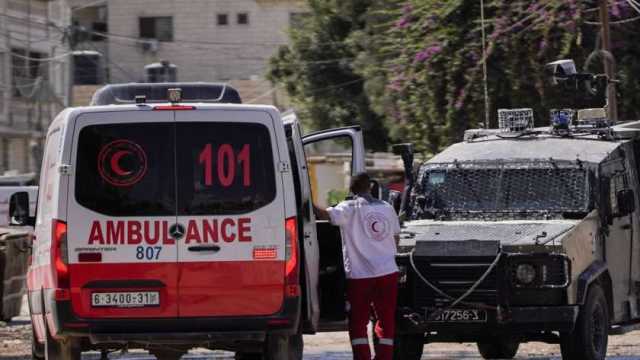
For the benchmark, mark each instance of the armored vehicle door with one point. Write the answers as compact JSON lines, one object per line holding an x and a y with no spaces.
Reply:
{"x":618,"y":182}
{"x":332,"y":157}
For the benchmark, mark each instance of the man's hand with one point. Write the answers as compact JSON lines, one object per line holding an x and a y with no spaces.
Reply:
{"x":321,"y":214}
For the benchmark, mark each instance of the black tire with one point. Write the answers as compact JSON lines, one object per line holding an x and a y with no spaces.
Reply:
{"x":506,"y":349}
{"x":167,"y":354}
{"x":296,"y":347}
{"x":283,"y":347}
{"x":590,"y":337}
{"x":248,"y":356}
{"x":37,"y":349}
{"x":68,"y":349}
{"x":408,"y":347}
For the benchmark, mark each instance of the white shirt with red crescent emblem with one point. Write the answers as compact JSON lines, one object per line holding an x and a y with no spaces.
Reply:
{"x":367,"y":226}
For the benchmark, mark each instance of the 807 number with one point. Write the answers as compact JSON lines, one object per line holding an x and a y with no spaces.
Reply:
{"x":148,"y":252}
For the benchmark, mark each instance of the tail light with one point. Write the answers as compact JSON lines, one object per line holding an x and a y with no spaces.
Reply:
{"x":292,"y":286}
{"x":59,"y":252}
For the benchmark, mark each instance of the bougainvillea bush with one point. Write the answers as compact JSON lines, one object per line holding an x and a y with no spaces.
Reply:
{"x":420,"y":61}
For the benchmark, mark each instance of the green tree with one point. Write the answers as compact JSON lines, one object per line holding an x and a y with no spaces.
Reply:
{"x":317,"y":70}
{"x":416,"y":65}
{"x":433,"y":61}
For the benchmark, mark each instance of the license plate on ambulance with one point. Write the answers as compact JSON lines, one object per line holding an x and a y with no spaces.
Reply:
{"x":456,"y":315}
{"x":125,"y":299}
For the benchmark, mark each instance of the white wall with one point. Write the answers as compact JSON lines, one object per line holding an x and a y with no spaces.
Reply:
{"x":234,"y":51}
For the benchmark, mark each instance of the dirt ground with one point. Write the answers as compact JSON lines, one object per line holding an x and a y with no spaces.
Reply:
{"x":15,"y":342}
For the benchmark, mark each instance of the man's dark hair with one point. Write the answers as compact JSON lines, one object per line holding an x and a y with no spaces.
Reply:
{"x":360,"y":183}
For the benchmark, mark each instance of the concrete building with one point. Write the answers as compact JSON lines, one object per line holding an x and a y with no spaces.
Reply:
{"x":208,"y":40}
{"x":33,"y":77}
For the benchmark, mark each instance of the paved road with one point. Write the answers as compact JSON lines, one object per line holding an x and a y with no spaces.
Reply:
{"x":15,"y":342}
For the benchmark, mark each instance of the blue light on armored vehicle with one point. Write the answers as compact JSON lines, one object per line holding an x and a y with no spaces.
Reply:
{"x":561,"y":119}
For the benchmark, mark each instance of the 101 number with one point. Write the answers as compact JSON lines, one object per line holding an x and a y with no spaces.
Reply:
{"x":226,"y":164}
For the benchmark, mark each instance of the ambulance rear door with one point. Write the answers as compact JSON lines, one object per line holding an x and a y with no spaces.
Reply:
{"x":121,"y":209}
{"x":231,"y":207}
{"x":306,"y":222}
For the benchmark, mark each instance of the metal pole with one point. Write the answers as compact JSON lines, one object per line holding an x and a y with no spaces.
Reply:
{"x":8,"y":86}
{"x":612,"y":102}
{"x":71,"y":30}
{"x":484,"y":68}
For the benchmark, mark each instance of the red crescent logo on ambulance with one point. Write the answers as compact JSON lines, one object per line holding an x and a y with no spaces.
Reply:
{"x":122,"y":163}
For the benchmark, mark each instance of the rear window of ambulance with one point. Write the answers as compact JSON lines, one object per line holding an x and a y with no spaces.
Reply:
{"x":224,"y":168}
{"x":164,"y":169}
{"x":127,"y":169}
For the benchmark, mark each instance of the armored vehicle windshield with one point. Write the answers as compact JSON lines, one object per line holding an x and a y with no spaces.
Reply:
{"x":541,"y":177}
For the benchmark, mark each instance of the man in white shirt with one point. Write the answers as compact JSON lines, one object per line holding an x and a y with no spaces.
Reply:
{"x":370,"y":231}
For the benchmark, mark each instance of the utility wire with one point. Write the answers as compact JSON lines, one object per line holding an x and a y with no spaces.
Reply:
{"x":36,"y":59}
{"x":618,"y":22}
{"x":93,"y":3}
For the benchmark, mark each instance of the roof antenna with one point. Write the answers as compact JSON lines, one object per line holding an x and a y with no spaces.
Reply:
{"x":484,"y":68}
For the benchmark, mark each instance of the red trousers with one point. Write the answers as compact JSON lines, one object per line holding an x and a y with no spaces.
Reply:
{"x":379,"y":294}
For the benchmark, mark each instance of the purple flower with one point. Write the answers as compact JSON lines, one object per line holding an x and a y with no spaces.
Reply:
{"x":407,"y":9}
{"x":427,"y":53}
{"x":615,"y":10}
{"x":543,"y":44}
{"x":402,"y":23}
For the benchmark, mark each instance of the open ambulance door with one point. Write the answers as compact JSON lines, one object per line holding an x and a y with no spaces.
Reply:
{"x":306,"y":225}
{"x":332,"y":157}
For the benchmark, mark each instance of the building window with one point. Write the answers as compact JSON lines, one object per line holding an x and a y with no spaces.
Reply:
{"x":159,"y":28}
{"x":223,"y":19}
{"x":26,"y":68}
{"x":97,"y":29}
{"x":243,"y":19}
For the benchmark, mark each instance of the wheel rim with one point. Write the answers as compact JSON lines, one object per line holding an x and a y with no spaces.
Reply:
{"x":597,"y":329}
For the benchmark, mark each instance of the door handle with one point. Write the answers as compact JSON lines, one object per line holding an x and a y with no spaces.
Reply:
{"x":203,"y":248}
{"x":307,"y":235}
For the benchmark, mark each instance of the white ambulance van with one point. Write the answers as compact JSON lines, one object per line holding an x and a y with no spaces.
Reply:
{"x":171,"y":216}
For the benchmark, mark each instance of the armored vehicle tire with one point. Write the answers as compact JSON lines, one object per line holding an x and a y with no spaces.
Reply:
{"x":505,"y":349}
{"x":167,"y":354}
{"x":247,"y":356}
{"x":589,"y":339}
{"x":408,"y":347}
{"x":60,"y":350}
{"x":37,"y":349}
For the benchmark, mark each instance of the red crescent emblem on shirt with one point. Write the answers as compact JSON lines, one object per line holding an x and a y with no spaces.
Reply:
{"x":376,"y":225}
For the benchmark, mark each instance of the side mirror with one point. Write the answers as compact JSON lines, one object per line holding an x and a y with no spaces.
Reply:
{"x":626,"y":202}
{"x":19,"y":210}
{"x":406,"y":152}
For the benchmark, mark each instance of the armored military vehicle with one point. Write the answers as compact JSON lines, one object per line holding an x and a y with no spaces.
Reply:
{"x":524,"y":234}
